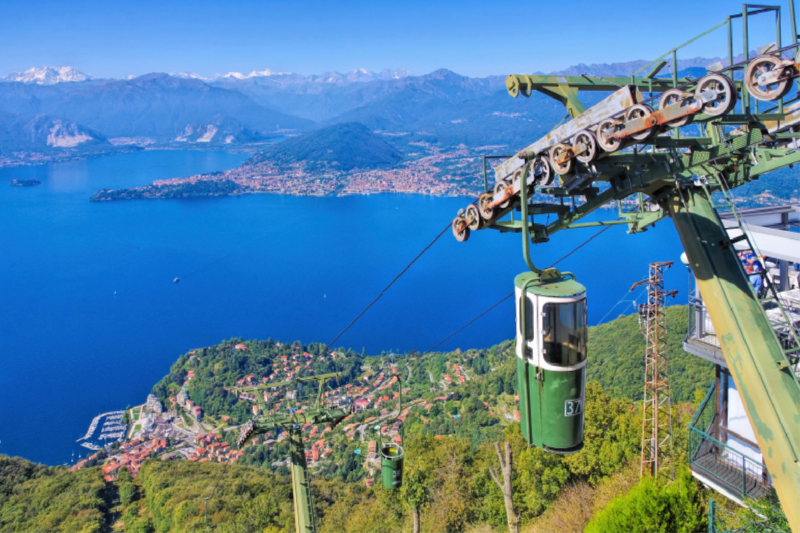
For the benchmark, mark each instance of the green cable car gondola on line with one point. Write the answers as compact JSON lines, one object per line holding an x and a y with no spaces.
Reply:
{"x":392,"y":453}
{"x":392,"y":465}
{"x":551,"y":359}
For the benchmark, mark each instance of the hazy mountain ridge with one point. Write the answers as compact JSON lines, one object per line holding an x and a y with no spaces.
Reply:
{"x":157,"y":106}
{"x":235,"y":108}
{"x":353,"y":76}
{"x":324,"y":97}
{"x":629,"y":67}
{"x":42,"y":132}
{"x":219,"y":130}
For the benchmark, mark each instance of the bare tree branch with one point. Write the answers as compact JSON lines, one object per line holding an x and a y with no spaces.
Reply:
{"x":493,"y":473}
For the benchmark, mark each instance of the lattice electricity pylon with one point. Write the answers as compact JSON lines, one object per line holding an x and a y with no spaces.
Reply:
{"x":657,"y":405}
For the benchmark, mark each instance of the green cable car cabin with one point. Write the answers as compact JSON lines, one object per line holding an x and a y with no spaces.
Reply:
{"x":392,"y":465}
{"x":551,"y":360}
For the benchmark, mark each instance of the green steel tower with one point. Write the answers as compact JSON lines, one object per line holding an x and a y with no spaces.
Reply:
{"x":292,"y":424}
{"x":641,"y":144}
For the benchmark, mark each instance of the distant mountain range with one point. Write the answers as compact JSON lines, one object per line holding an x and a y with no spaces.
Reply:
{"x":627,"y":68}
{"x":357,"y":75}
{"x":441,"y":107}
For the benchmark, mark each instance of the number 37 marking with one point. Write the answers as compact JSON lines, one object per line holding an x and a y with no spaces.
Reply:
{"x":573,"y":407}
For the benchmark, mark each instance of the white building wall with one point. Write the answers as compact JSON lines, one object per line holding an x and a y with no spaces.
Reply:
{"x":739,"y":423}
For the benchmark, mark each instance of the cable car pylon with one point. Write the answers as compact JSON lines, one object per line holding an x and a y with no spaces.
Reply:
{"x":293,"y":423}
{"x":632,"y":146}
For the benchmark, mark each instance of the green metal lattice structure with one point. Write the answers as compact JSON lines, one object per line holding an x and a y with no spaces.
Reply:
{"x":643,"y":149}
{"x":292,"y":423}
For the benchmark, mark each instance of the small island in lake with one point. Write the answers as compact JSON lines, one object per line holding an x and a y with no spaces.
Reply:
{"x":25,"y":183}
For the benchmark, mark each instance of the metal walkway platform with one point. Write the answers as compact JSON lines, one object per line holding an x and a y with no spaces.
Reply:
{"x":709,"y":464}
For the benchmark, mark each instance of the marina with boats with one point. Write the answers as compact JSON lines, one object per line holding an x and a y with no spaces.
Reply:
{"x":104,"y":430}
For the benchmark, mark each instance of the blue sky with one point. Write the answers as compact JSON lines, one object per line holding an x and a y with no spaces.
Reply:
{"x":475,"y":38}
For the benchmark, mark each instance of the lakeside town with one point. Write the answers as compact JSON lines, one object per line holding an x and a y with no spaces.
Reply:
{"x":431,"y":171}
{"x":180,"y":430}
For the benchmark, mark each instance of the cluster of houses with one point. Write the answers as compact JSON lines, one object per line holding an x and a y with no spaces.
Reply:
{"x":318,"y":451}
{"x":458,"y":375}
{"x":211,"y":447}
{"x":132,"y":454}
{"x":80,"y":464}
{"x":508,"y":415}
{"x":182,"y":398}
{"x":377,"y":390}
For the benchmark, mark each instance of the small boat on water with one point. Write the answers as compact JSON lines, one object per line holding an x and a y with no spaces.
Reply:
{"x":176,"y":280}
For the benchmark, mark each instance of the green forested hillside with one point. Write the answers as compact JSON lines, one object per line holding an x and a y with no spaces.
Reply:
{"x":346,"y":147}
{"x":219,"y":367}
{"x":447,"y":465}
{"x":40,"y":498}
{"x":616,"y":357}
{"x":447,"y":479}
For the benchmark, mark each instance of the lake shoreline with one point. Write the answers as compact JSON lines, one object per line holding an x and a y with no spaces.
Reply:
{"x":91,"y":300}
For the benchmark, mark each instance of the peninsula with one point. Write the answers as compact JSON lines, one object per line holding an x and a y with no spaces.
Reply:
{"x":339,"y":160}
{"x":453,"y":406}
{"x":25,"y":183}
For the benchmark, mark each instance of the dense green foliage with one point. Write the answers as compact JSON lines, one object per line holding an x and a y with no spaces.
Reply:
{"x":765,"y":512}
{"x":218,"y":368}
{"x":39,"y":498}
{"x":238,"y":498}
{"x":652,"y":507}
{"x":616,"y":357}
{"x":447,"y":478}
{"x":192,"y":189}
{"x":347,"y":146}
{"x":448,"y":453}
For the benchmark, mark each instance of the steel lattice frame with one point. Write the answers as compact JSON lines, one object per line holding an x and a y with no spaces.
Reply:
{"x":657,"y":405}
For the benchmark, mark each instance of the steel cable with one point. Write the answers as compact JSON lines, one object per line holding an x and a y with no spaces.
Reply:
{"x":587,"y":241}
{"x":325,"y":351}
{"x":385,"y":289}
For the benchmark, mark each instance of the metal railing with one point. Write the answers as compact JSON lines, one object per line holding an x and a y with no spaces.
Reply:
{"x":727,"y":467}
{"x":701,"y":340}
{"x":700,"y":327}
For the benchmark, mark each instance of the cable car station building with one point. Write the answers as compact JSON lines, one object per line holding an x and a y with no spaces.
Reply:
{"x":723,"y":453}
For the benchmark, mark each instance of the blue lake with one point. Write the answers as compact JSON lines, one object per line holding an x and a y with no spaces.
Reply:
{"x":290,"y":268}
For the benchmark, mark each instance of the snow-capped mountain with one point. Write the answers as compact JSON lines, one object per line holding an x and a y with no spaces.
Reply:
{"x":47,"y":75}
{"x":354,"y":76}
{"x":229,"y":75}
{"x":360,"y":75}
{"x":389,"y":74}
{"x":181,"y":75}
{"x":253,"y":74}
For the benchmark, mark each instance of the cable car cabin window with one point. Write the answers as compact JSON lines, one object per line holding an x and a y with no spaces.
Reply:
{"x":528,"y":331}
{"x":530,"y":313}
{"x":564,"y":333}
